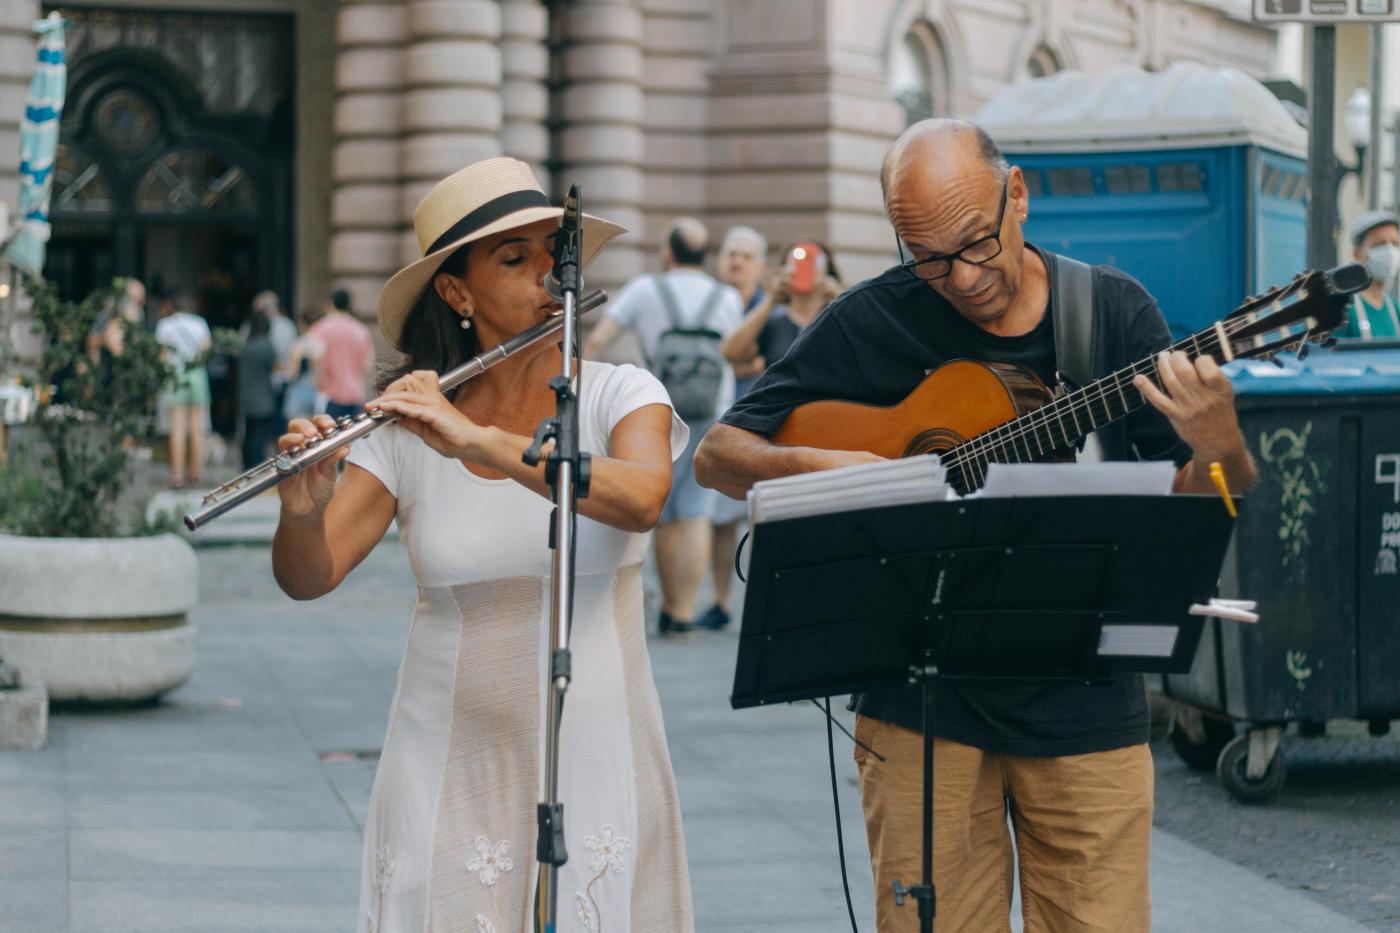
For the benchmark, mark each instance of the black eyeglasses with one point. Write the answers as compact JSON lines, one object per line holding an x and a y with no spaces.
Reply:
{"x":976,"y":253}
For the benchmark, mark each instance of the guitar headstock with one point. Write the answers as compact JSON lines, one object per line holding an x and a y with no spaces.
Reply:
{"x":1289,"y":317}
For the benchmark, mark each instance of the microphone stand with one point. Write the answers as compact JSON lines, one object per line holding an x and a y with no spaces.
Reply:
{"x":567,"y":472}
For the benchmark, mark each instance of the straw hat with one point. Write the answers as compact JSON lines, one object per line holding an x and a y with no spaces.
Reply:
{"x":484,"y":198}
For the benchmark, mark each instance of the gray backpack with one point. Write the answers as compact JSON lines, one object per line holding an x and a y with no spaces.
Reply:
{"x":688,"y":360}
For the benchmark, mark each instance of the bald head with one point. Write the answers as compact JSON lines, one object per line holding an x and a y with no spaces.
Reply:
{"x":686,"y":241}
{"x":958,"y":207}
{"x":936,"y":146}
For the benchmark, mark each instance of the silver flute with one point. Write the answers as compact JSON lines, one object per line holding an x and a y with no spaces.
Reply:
{"x":349,"y":429}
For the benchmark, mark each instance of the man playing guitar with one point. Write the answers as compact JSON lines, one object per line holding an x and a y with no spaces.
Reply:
{"x":1070,"y":762}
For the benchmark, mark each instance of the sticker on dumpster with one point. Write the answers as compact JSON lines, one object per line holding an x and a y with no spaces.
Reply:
{"x":1388,"y":471}
{"x":1296,"y":661}
{"x":1300,"y":479}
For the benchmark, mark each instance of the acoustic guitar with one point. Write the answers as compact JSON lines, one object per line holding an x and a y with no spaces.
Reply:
{"x":971,"y":413}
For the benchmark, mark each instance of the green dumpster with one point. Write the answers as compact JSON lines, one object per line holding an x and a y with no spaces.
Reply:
{"x":1316,"y":546}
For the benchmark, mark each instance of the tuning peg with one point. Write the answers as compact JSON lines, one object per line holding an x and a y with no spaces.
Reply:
{"x":1276,"y":361}
{"x":1303,"y":351}
{"x":1329,"y":343}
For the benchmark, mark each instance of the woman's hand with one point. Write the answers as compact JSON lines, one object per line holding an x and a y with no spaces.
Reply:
{"x":778,"y":286}
{"x":306,"y":495}
{"x":424,"y":411}
{"x":828,"y":289}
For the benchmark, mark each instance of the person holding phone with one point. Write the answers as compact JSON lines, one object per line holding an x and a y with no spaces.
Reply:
{"x":794,"y":295}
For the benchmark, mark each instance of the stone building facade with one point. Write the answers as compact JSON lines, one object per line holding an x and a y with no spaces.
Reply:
{"x":774,"y":113}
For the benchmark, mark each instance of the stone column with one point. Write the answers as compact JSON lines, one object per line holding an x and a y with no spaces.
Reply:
{"x":452,"y":104}
{"x":800,"y":117}
{"x":367,"y":160}
{"x":16,"y":67}
{"x":678,"y":45}
{"x":601,"y":112}
{"x":525,"y":83}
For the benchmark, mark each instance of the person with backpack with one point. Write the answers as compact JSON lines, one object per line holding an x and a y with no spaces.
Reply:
{"x":681,"y":318}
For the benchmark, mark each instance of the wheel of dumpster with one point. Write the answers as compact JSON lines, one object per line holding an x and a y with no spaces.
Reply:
{"x":1230,"y":772}
{"x":1203,"y":756}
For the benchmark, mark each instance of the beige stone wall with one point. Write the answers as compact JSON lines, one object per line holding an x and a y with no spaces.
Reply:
{"x":367,"y":159}
{"x":16,"y":65}
{"x":985,"y":45}
{"x":772,"y":113}
{"x":525,"y":84}
{"x":601,"y":109}
{"x":677,"y":50}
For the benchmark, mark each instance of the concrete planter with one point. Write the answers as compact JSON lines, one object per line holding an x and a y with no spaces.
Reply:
{"x":98,"y":619}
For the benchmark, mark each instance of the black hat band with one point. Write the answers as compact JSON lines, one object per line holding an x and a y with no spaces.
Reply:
{"x":489,"y":213}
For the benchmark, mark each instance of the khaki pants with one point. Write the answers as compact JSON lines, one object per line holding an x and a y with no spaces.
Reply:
{"x":1082,"y":825}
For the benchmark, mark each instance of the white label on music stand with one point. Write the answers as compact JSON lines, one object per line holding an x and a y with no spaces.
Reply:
{"x":1140,"y":641}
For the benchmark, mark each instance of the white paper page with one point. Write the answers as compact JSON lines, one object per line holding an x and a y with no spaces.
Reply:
{"x":1020,"y":480}
{"x":870,"y":485}
{"x":1138,"y":641}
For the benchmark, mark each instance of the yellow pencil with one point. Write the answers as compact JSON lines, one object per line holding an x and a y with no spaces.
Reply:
{"x":1217,"y":476}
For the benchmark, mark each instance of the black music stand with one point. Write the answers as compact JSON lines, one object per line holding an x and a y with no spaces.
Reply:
{"x":1067,"y":589}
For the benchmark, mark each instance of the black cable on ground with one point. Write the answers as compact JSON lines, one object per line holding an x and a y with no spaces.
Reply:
{"x":836,"y":805}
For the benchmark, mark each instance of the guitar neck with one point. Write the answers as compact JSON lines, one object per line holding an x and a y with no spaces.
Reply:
{"x":1061,"y":424}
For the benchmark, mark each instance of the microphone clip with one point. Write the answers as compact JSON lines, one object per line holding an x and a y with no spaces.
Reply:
{"x":565,"y":274}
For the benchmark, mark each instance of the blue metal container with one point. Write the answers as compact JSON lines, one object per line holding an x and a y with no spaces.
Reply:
{"x":1192,"y":180}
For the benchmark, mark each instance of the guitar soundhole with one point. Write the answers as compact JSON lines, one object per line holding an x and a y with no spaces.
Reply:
{"x":933,"y":441}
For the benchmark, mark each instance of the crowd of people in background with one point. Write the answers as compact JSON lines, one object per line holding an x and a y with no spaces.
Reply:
{"x":708,"y":339}
{"x":320,"y":363}
{"x":707,"y":325}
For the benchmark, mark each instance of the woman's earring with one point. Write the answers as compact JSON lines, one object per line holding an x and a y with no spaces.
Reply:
{"x":466,"y":322}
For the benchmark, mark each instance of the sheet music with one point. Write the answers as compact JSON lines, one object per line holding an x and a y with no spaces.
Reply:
{"x":865,"y":486}
{"x":1020,"y":480}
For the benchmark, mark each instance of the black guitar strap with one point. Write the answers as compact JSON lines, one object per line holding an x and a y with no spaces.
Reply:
{"x":1072,"y":308}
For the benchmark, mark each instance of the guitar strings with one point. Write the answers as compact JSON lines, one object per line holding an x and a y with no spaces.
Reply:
{"x":966,"y":457}
{"x":1002,"y":439}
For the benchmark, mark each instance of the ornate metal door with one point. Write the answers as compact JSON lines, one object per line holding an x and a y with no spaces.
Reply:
{"x":175,"y":159}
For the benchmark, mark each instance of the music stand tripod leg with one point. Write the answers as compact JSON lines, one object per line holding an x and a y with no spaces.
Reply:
{"x":923,"y":892}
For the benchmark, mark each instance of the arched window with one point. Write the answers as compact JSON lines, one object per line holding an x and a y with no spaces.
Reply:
{"x":1043,"y":63}
{"x":78,"y":184}
{"x":191,"y":181}
{"x":919,"y":74}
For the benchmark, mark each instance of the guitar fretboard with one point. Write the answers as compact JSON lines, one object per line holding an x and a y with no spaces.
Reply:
{"x":1059,"y":425}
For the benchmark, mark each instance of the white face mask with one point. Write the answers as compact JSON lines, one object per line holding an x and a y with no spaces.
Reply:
{"x":1383,"y":261}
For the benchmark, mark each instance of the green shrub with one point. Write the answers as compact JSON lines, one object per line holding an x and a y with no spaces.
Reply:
{"x":68,"y":477}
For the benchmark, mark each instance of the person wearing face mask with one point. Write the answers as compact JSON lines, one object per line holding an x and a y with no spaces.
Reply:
{"x":1374,"y":313}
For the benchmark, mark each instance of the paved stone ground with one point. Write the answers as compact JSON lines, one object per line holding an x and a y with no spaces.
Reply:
{"x":236,"y":805}
{"x":1333,"y":831}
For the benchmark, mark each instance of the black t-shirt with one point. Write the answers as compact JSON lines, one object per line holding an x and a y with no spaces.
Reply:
{"x":778,"y":333}
{"x":877,"y":342}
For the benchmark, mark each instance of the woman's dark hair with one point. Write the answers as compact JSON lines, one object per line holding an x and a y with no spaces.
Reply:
{"x":258,"y":325}
{"x":432,"y":336}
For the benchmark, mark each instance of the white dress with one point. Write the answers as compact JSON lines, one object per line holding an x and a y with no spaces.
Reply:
{"x":450,"y":839}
